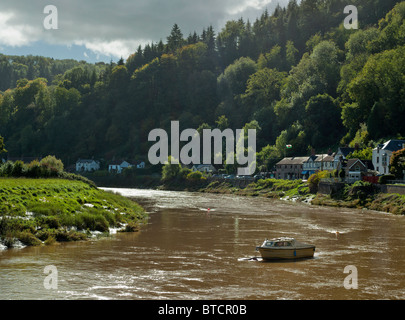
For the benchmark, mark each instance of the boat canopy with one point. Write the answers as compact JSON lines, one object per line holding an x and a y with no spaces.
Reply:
{"x":279,"y":242}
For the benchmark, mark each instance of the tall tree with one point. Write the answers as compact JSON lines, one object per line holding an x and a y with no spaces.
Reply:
{"x":175,"y":40}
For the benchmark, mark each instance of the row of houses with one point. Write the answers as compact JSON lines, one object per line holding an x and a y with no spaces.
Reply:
{"x":89,"y":165}
{"x":303,"y":167}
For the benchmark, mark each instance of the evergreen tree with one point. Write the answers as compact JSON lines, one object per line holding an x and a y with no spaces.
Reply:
{"x":175,"y":40}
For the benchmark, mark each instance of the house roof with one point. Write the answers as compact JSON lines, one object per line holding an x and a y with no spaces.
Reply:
{"x":294,"y":160}
{"x":85,"y":161}
{"x":352,"y":162}
{"x":346,"y":150}
{"x":329,"y":158}
{"x":125,"y":163}
{"x":324,"y":158}
{"x":393,"y":145}
{"x":197,"y":166}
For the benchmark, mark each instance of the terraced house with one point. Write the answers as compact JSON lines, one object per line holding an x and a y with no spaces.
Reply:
{"x":290,"y":168}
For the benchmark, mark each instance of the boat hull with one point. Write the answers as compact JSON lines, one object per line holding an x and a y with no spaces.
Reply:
{"x":286,"y":253}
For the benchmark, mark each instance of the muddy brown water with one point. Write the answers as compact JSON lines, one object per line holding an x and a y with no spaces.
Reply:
{"x":186,"y":251}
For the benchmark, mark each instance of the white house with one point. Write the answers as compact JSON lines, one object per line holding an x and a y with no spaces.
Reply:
{"x":208,"y":168}
{"x":118,"y":166}
{"x":140,"y":165}
{"x":125,"y":164}
{"x":87,"y":165}
{"x":382,"y":155}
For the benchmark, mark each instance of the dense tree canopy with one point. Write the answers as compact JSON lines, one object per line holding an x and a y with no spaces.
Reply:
{"x":296,"y":74}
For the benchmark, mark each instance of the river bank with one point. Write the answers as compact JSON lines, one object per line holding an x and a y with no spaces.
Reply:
{"x":361,"y":195}
{"x":44,"y":211}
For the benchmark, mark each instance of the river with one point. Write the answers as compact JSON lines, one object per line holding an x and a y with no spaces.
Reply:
{"x":186,"y":251}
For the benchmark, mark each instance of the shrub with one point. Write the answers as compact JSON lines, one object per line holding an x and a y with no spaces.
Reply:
{"x":6,"y":169}
{"x":50,"y":240}
{"x":28,"y":238}
{"x":51,"y":165}
{"x":195,"y":176}
{"x":91,"y":221}
{"x":64,"y":236}
{"x":314,"y":179}
{"x":18,"y":169}
{"x":33,"y":169}
{"x":384,"y":179}
{"x":131,"y":227}
{"x":50,"y":222}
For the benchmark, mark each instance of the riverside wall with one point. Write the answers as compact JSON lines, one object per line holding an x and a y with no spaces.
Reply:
{"x":333,"y":187}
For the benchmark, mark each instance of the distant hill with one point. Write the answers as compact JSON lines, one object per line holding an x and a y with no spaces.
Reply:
{"x":296,"y":75}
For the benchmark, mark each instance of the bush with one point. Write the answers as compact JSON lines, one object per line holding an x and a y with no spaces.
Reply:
{"x":64,"y":236}
{"x":50,"y":222}
{"x":131,"y":227}
{"x":28,"y":238}
{"x":18,"y":169}
{"x":314,"y":179}
{"x":33,"y":169}
{"x":195,"y":176}
{"x":51,"y":165}
{"x":91,"y":221}
{"x":384,"y":179}
{"x":6,"y":169}
{"x":47,"y":167}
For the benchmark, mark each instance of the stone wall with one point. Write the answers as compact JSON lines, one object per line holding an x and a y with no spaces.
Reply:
{"x":333,"y":187}
{"x":330,"y":187}
{"x":392,"y":188}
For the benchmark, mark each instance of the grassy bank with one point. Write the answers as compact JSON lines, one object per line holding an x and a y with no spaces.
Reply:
{"x":269,"y":188}
{"x":36,"y":211}
{"x":361,"y":195}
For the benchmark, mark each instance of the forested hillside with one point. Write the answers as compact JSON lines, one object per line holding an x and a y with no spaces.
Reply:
{"x":297,"y":75}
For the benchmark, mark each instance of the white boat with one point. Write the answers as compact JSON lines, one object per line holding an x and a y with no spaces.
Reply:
{"x":285,"y":248}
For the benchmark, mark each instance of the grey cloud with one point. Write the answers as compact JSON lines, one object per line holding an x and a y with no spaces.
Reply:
{"x":128,"y":20}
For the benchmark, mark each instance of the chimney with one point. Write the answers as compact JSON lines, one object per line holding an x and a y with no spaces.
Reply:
{"x":312,"y":152}
{"x":329,"y":152}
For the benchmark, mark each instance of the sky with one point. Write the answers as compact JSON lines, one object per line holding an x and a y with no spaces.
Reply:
{"x":104,"y":30}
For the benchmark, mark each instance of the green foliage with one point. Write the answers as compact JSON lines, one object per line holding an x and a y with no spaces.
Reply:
{"x":51,"y":165}
{"x":397,"y":164}
{"x":296,"y":71}
{"x":362,"y":154}
{"x":35,"y":210}
{"x":319,"y":110}
{"x":170,"y":171}
{"x":195,"y":176}
{"x":313,"y":180}
{"x":2,"y":147}
{"x":385,"y":178}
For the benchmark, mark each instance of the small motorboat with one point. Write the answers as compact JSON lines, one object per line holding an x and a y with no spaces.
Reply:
{"x":285,"y":248}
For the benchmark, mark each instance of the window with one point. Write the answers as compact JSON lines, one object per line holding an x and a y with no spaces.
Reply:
{"x":378,"y":159}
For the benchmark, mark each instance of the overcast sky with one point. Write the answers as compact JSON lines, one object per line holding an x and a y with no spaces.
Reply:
{"x":100,"y":30}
